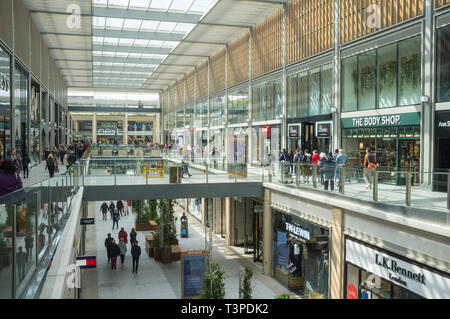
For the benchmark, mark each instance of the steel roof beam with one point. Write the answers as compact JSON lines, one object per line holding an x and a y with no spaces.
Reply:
{"x":130,"y":49}
{"x":142,"y":35}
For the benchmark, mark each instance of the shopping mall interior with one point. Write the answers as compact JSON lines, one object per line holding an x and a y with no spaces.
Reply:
{"x":300,"y":146}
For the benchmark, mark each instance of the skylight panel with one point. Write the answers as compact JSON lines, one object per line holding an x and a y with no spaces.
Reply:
{"x":97,"y":40}
{"x":178,"y":5}
{"x":149,"y":25}
{"x":170,"y":44}
{"x":127,"y":42}
{"x":133,"y":24}
{"x":155,"y":43}
{"x":121,"y":54}
{"x":114,"y":23}
{"x":98,"y":22}
{"x":100,"y":2}
{"x":160,"y":4}
{"x":118,"y":3}
{"x":201,"y":6}
{"x":140,"y":4}
{"x":166,"y":26}
{"x":111,"y":54}
{"x":111,"y":41}
{"x":140,"y":42}
{"x":134,"y":55}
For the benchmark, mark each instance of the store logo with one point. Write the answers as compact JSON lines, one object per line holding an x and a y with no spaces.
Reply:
{"x":444,"y":124}
{"x":376,"y":120}
{"x":391,"y":265}
{"x":295,"y":230}
{"x":109,"y":132}
{"x":4,"y":83}
{"x":374,"y":17}
{"x":74,"y":19}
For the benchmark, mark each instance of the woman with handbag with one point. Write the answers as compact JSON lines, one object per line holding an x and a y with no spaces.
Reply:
{"x":369,"y":167}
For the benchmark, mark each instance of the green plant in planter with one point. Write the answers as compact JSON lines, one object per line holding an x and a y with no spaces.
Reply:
{"x":245,"y":291}
{"x":166,"y":221}
{"x":213,"y":285}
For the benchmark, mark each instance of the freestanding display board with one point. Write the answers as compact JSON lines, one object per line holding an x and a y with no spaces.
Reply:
{"x":193,"y":268}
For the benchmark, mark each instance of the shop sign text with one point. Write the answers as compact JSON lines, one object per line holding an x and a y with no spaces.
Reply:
{"x":391,"y":265}
{"x":293,"y":229}
{"x":385,"y":120}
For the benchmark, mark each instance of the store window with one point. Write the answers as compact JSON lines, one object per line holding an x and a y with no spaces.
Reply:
{"x":189,"y":116}
{"x":20,"y":110}
{"x":238,"y":107}
{"x":310,"y":93}
{"x":217,"y":111}
{"x":367,"y":80}
{"x":5,"y":104}
{"x":267,"y":102}
{"x":180,"y":119}
{"x":35,"y":123}
{"x":443,"y":64}
{"x":409,"y":78}
{"x":301,"y":255}
{"x":201,"y":119}
{"x":376,"y":73}
{"x":387,"y":76}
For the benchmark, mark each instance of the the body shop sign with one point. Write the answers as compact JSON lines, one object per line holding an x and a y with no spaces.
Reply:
{"x":382,"y":120}
{"x":411,"y":277}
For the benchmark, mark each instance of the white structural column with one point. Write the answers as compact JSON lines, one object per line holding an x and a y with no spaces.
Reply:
{"x":209,"y":112}
{"x":225,"y":131}
{"x":94,"y":128}
{"x":157,"y":128}
{"x":267,"y":233}
{"x":336,"y":107}
{"x":283,"y":81}
{"x":195,"y":109}
{"x":427,"y":118}
{"x":125,"y":129}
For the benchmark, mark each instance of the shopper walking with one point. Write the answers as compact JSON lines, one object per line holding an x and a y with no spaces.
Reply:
{"x":26,"y":165}
{"x":341,"y":161}
{"x":135,"y":253}
{"x":123,"y":235}
{"x":125,"y":208}
{"x":123,"y":250}
{"x":306,"y":167}
{"x":120,"y":207}
{"x":13,"y":156}
{"x":116,"y":218}
{"x":115,"y":251}
{"x":185,"y":161}
{"x":328,"y":168}
{"x":133,"y":235}
{"x":21,"y":260}
{"x":369,"y":167}
{"x":51,"y":164}
{"x":104,"y":210}
{"x":111,"y":209}
{"x":108,"y":245}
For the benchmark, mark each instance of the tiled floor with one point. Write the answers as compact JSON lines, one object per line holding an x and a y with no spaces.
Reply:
{"x":158,"y":280}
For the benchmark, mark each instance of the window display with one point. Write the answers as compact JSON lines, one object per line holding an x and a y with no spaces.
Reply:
{"x":5,"y":104}
{"x":301,"y":255}
{"x":443,"y":64}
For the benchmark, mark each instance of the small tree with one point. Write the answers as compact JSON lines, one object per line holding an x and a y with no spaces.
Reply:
{"x":245,"y":289}
{"x":213,"y":285}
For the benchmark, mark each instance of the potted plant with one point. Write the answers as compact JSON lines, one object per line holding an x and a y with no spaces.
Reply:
{"x":213,"y":285}
{"x":245,"y":289}
{"x":142,"y":216}
{"x":157,"y":253}
{"x":166,"y":254}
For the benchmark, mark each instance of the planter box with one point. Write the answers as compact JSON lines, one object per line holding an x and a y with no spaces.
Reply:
{"x":157,"y":254}
{"x":173,"y":242}
{"x":176,"y":252}
{"x":143,"y":227}
{"x":153,"y":225}
{"x":151,"y":252}
{"x":166,"y":254}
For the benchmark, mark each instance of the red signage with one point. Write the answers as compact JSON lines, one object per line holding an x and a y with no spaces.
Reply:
{"x":265,"y":130}
{"x":351,"y":292}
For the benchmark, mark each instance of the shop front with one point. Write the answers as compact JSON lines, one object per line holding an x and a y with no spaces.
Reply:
{"x":5,"y":103}
{"x":375,"y":273}
{"x":237,"y":152}
{"x":266,"y":143}
{"x":195,"y":207}
{"x":313,"y":133}
{"x":395,"y":140}
{"x":442,"y":159}
{"x":300,"y":257}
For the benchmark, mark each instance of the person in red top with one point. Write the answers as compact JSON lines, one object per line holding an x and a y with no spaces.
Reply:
{"x":123,"y":234}
{"x":315,"y":158}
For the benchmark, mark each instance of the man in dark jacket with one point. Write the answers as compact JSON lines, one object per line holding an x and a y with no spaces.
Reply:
{"x":116,"y":218}
{"x":111,"y":209}
{"x":328,"y":168}
{"x":120,"y":207}
{"x":135,"y":253}
{"x":25,"y":161}
{"x":114,"y":252}
{"x":108,"y":245}
{"x":104,"y":210}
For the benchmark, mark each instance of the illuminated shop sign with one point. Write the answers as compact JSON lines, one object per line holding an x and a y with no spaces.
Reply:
{"x":381,"y":120}
{"x":109,"y":132}
{"x":409,"y":276}
{"x":297,"y":231}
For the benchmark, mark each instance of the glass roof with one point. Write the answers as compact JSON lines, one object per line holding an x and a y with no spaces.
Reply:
{"x":122,"y":29}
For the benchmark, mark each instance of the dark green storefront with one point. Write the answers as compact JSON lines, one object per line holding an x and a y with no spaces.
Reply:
{"x":395,"y":139}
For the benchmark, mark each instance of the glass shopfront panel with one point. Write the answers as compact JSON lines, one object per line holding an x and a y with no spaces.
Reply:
{"x":217,"y":149}
{"x":180,"y":119}
{"x":35,"y":124}
{"x":389,"y":76}
{"x":443,"y":65}
{"x":266,"y":143}
{"x":5,"y":104}
{"x":217,"y":111}
{"x":201,"y":146}
{"x":201,"y":117}
{"x":267,"y":102}
{"x":189,"y":116}
{"x":21,"y":110}
{"x":300,"y":258}
{"x":238,"y":107}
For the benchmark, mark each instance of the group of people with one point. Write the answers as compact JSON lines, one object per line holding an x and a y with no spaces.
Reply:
{"x":329,"y":165}
{"x":116,"y":211}
{"x":66,"y":156}
{"x":113,"y":250}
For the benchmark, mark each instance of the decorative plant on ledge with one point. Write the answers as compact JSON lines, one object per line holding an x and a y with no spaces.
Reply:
{"x":213,"y":285}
